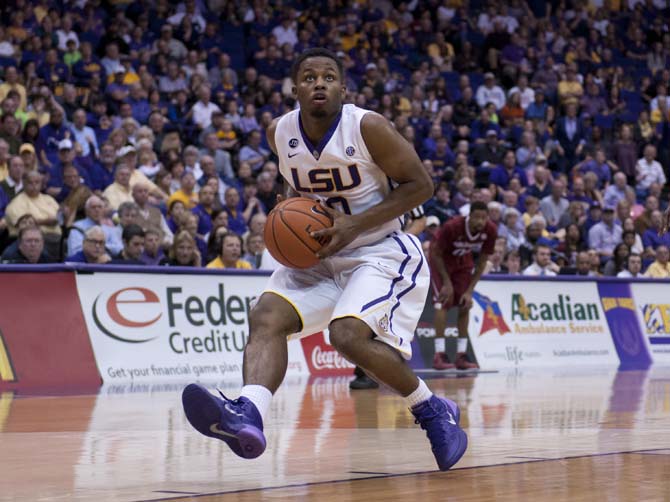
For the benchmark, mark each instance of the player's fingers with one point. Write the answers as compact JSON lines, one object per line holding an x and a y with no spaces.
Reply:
{"x":280,"y":198}
{"x":324,"y":232}
{"x":333,"y":213}
{"x":329,"y":249}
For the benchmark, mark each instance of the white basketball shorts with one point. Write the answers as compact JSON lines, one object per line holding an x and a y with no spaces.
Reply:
{"x":383,"y":284}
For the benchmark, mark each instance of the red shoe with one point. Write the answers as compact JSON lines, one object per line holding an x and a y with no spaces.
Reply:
{"x":462,"y":362}
{"x":440,"y":362}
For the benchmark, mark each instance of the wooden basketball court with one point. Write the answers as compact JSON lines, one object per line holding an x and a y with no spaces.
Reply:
{"x":534,"y":435}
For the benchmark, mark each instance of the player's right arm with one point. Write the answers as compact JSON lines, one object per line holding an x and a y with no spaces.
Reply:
{"x":270,"y":134}
{"x":437,"y":248}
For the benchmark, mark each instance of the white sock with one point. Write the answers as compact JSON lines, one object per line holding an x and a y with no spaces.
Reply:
{"x":439,"y":345}
{"x":462,"y":345}
{"x":421,"y":393}
{"x":260,"y":396}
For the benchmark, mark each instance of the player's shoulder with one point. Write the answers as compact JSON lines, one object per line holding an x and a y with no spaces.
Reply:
{"x":455,"y":223}
{"x":491,"y":228}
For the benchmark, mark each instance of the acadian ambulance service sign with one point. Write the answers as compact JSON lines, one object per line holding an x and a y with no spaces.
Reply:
{"x":539,"y":324}
{"x":149,"y":327}
{"x":652,"y":304}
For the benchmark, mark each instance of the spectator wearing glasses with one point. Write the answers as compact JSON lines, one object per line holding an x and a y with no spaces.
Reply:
{"x":93,"y":248}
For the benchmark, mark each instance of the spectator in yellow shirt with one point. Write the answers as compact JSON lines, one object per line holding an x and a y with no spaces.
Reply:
{"x":186,"y":193}
{"x":231,"y":251}
{"x":660,"y":269}
{"x":570,"y":90}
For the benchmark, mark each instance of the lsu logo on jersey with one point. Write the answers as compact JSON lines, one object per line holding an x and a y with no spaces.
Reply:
{"x":6,"y":370}
{"x":324,"y":180}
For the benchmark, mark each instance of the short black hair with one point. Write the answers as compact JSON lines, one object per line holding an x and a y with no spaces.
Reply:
{"x":132,"y":230}
{"x":478,"y":205}
{"x":317,"y":52}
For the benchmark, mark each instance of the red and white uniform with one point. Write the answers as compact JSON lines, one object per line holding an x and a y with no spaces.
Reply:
{"x":458,"y":244}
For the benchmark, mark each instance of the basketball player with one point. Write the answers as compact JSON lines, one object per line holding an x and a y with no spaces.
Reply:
{"x":371,"y":282}
{"x":453,"y":279}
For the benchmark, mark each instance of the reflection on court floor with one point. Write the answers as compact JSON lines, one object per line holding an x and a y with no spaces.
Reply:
{"x":132,"y":443}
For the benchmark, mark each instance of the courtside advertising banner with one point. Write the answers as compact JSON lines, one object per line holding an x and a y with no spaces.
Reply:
{"x":154,"y":327}
{"x":652,"y":305}
{"x":518,"y":324}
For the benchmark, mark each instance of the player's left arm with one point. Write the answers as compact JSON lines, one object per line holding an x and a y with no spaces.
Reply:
{"x":396,"y":157}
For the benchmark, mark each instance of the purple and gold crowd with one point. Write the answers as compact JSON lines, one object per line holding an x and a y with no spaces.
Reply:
{"x":134,"y":132}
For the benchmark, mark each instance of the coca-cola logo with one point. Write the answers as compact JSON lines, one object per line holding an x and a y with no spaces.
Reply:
{"x":328,"y":359}
{"x":323,"y":359}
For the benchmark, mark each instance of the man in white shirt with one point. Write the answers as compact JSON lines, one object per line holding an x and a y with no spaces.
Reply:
{"x":542,"y":265}
{"x":633,"y":267}
{"x":526,"y":94}
{"x":489,"y":92}
{"x":202,"y":110}
{"x":83,"y":134}
{"x":285,"y":33}
{"x":648,"y":170}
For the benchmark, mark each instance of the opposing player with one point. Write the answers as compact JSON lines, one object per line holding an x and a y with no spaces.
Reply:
{"x":453,"y":278}
{"x":372,"y":280}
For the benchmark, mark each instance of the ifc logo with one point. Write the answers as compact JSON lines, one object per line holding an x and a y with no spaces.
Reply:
{"x":126,"y":313}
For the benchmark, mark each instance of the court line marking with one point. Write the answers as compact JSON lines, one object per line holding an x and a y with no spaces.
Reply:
{"x":175,"y":492}
{"x":404,"y":474}
{"x":373,"y":473}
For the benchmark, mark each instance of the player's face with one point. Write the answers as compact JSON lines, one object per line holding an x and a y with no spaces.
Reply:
{"x":478,"y":220}
{"x":319,"y":87}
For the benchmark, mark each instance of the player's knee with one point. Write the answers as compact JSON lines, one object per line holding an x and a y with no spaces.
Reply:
{"x":268,"y":318}
{"x":346,"y":334}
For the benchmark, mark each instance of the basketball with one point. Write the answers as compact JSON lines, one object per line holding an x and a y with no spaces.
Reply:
{"x":287,"y":231}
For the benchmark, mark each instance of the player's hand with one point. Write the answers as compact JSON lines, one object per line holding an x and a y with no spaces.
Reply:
{"x":342,"y":233}
{"x":466,"y":300}
{"x":665,"y":225}
{"x":445,"y":294}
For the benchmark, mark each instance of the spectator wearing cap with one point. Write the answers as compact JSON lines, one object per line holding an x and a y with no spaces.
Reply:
{"x":94,"y":208}
{"x":488,"y":155}
{"x":30,"y":248}
{"x":616,"y":191}
{"x":175,"y":48}
{"x":647,"y":171}
{"x":503,"y":173}
{"x":27,"y":153}
{"x":128,"y":155}
{"x":605,"y":235}
{"x":55,"y":183}
{"x":554,"y":206}
{"x":571,"y":137}
{"x":660,"y":269}
{"x":92,"y":249}
{"x":489,"y":92}
{"x":13,"y":183}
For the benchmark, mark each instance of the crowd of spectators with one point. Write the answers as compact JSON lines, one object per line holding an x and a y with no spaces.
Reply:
{"x":134,"y":132}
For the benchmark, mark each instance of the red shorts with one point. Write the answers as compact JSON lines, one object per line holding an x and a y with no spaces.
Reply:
{"x":460,"y":280}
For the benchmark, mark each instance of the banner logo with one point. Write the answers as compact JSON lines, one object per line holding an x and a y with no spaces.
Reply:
{"x":322,"y":358}
{"x":7,"y":373}
{"x":126,"y":312}
{"x":493,"y":318}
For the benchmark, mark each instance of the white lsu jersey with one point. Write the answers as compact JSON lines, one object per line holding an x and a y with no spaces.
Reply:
{"x":339,"y":172}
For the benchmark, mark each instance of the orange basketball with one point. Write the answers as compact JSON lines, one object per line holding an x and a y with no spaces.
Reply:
{"x":287,"y":231}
